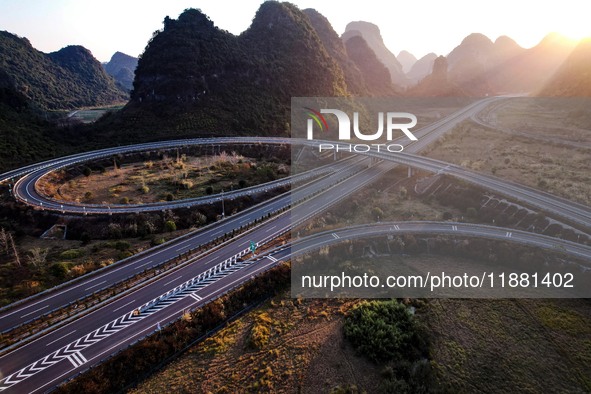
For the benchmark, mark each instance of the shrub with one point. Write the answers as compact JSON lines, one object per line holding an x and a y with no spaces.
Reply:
{"x":157,"y":241}
{"x":124,"y":200}
{"x":87,"y":171}
{"x":59,"y":270}
{"x":121,"y":245}
{"x":209,"y":190}
{"x":384,"y":331}
{"x":145,"y":189}
{"x":170,"y":226}
{"x":71,"y":254}
{"x":169,"y":197}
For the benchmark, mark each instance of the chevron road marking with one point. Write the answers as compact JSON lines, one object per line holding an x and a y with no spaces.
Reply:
{"x":72,"y":351}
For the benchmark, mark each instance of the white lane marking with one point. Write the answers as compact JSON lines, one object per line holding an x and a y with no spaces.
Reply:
{"x":217,"y":232}
{"x":123,"y":306}
{"x":273,"y":259}
{"x":179,"y":249}
{"x":271,"y":229}
{"x":454,"y":228}
{"x":36,"y":310}
{"x":98,"y":284}
{"x":396,"y":227}
{"x":62,"y":337}
{"x":169,"y":282}
{"x":509,"y":234}
{"x":149,"y":262}
{"x":335,"y":236}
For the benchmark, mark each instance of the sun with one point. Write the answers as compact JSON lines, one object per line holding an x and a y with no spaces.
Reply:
{"x":576,"y":32}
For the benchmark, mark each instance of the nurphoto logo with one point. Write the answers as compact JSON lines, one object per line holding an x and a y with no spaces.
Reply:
{"x":389,"y":121}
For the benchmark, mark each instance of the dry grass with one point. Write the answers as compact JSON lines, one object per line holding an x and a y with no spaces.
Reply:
{"x":152,"y":181}
{"x":492,"y":346}
{"x":559,"y":170}
{"x":303,"y":352}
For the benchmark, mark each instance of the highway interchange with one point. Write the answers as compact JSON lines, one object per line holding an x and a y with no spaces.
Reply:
{"x":46,"y":361}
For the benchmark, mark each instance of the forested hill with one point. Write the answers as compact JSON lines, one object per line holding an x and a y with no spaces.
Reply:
{"x":66,"y":79}
{"x":194,"y":76}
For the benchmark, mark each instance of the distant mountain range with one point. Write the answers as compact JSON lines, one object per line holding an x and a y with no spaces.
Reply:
{"x":122,"y":68}
{"x":573,"y":77}
{"x":371,"y":34}
{"x":66,"y":79}
{"x":196,"y":79}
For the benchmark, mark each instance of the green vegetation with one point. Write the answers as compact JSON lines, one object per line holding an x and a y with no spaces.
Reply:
{"x":66,"y":79}
{"x":245,"y":83}
{"x":388,"y":334}
{"x":384,"y":331}
{"x":72,"y":254}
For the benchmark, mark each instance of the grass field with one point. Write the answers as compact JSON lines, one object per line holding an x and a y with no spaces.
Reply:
{"x":556,"y":169}
{"x":169,"y":178}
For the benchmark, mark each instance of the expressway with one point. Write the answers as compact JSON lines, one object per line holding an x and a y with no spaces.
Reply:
{"x":41,"y":304}
{"x":24,"y":189}
{"x":40,"y":375}
{"x":77,"y":289}
{"x":68,"y":350}
{"x":319,"y":240}
{"x":48,"y":360}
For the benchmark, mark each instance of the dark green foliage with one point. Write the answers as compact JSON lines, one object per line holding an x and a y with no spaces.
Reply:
{"x":24,"y":137}
{"x":388,"y":334}
{"x":170,"y":226}
{"x":59,"y":270}
{"x":66,"y":79}
{"x":384,"y":331}
{"x":194,"y":76}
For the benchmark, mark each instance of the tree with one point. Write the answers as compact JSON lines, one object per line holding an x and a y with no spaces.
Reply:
{"x":87,"y":171}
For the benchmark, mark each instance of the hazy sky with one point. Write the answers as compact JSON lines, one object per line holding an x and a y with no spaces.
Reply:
{"x":420,"y":26}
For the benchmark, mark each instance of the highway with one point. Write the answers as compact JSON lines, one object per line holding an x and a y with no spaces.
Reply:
{"x":42,"y":304}
{"x":24,"y":189}
{"x":44,"y":362}
{"x":55,"y":343}
{"x":101,"y":333}
{"x":105,"y":278}
{"x":319,"y":240}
